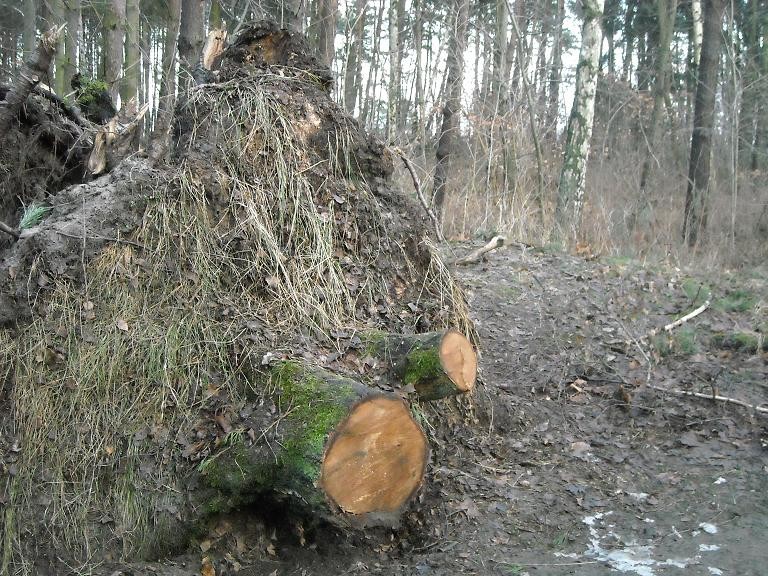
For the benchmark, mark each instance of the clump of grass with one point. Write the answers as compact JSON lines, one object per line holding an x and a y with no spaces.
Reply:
{"x":745,"y":341}
{"x":736,"y":301}
{"x":683,"y":342}
{"x":696,"y":291}
{"x":33,"y":215}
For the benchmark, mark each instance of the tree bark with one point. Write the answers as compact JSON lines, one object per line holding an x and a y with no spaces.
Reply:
{"x":555,"y":73}
{"x":114,"y":38}
{"x":698,"y":30}
{"x":34,"y":69}
{"x":393,"y":87}
{"x":72,"y":41}
{"x":328,"y":11}
{"x":349,"y":454}
{"x":30,"y":27}
{"x":130,"y":84}
{"x":191,"y":36}
{"x":696,"y":196}
{"x":447,"y":143}
{"x":666,"y":11}
{"x":167,"y":94}
{"x":570,"y":197}
{"x":352,"y":72}
{"x":58,"y":17}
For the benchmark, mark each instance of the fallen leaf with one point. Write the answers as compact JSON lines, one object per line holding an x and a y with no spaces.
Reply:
{"x":122,"y":325}
{"x":207,"y":568}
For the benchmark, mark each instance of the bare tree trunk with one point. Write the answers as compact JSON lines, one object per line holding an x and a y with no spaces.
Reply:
{"x":373,"y":72}
{"x":555,"y":72}
{"x":167,"y":95}
{"x":114,"y":27}
{"x":30,"y":27}
{"x":326,"y":34}
{"x":72,"y":40}
{"x":418,"y":29}
{"x":58,"y":17}
{"x":353,"y":67}
{"x":573,"y":174}
{"x":130,"y":85}
{"x":666,"y":10}
{"x":393,"y":88}
{"x":447,"y":143}
{"x":191,"y":34}
{"x":697,"y":193}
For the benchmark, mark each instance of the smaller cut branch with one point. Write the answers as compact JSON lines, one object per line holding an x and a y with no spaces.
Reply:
{"x":8,"y":230}
{"x":477,"y":255}
{"x":680,"y":321}
{"x":420,"y":194}
{"x":33,"y":70}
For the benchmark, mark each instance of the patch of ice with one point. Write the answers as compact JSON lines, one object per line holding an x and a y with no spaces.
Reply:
{"x":571,"y":555}
{"x":708,"y":547}
{"x":708,"y":528}
{"x":720,"y":480}
{"x":677,"y":563}
{"x":715,"y":571}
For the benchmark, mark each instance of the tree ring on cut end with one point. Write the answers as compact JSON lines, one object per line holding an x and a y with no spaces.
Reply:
{"x":459,"y":360}
{"x":376,"y":458}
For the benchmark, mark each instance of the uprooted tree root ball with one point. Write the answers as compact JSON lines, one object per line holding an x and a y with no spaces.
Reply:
{"x":145,"y":312}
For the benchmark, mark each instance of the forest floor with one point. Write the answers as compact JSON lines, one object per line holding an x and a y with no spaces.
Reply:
{"x":591,"y":464}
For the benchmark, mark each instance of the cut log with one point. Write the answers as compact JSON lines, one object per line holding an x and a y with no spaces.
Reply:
{"x":437,"y":364}
{"x":350,"y":454}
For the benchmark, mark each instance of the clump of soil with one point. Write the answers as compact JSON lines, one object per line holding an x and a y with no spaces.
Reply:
{"x":139,"y":314}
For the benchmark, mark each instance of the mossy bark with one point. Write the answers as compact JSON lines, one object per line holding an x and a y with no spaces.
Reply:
{"x":286,"y":461}
{"x":417,"y":360}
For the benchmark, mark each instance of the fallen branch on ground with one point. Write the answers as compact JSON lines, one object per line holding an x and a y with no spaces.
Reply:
{"x":680,"y":321}
{"x":420,"y":194}
{"x":714,"y":397}
{"x":477,"y":255}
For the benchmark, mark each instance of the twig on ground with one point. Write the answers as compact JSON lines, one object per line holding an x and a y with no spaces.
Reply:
{"x":420,"y":194}
{"x":714,"y":397}
{"x":8,"y":230}
{"x":477,"y":255}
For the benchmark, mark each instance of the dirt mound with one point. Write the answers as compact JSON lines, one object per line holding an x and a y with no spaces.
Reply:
{"x":141,"y":317}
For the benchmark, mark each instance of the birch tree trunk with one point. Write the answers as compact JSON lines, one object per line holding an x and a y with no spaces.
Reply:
{"x":449,"y":129}
{"x":58,"y":17}
{"x":695,"y":221}
{"x":698,"y":30}
{"x":570,"y":197}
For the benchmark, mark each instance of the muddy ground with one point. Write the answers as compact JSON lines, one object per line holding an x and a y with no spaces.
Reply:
{"x":584,"y":468}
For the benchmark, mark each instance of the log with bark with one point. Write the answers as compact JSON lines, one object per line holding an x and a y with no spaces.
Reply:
{"x":477,"y":255}
{"x":350,"y":454}
{"x":436,"y":364}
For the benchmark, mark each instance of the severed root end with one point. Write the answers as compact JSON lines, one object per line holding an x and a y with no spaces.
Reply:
{"x":376,"y":459}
